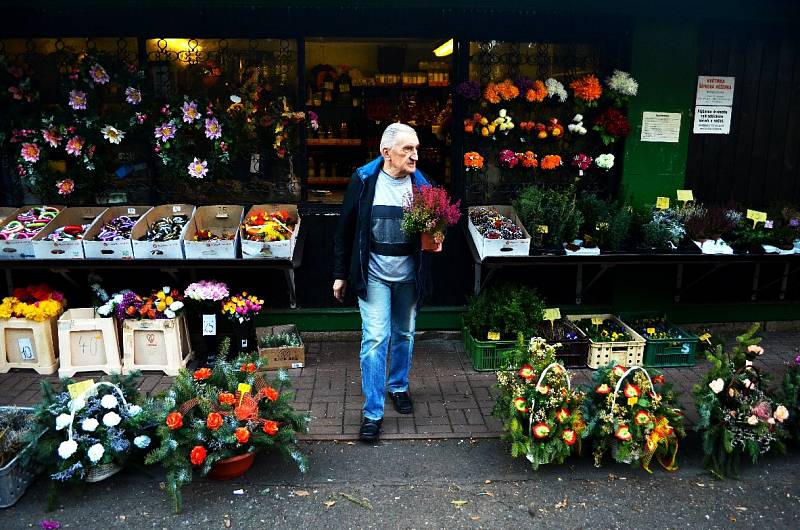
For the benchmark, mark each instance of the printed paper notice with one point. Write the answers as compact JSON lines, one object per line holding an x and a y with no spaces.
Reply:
{"x":712,"y":120}
{"x":714,"y":90}
{"x":661,"y":127}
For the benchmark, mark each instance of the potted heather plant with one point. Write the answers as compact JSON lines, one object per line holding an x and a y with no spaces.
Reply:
{"x":428,"y":212}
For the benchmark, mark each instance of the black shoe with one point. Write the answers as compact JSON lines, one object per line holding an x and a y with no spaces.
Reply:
{"x":402,"y":402}
{"x":370,"y":429}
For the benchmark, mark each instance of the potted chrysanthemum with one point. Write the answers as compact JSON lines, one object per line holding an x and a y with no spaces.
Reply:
{"x":428,"y":212}
{"x":216,"y":419}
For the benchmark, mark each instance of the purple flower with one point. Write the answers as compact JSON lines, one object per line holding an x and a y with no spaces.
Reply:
{"x":469,"y":90}
{"x":524,"y":83}
{"x":213,"y":129}
{"x":165,"y":131}
{"x":49,"y":524}
{"x":794,"y":222}
{"x":77,"y":100}
{"x":797,"y":360}
{"x":133,"y":96}
{"x":190,"y":112}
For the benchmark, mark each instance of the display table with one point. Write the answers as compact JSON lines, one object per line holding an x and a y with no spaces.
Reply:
{"x":604,"y":262}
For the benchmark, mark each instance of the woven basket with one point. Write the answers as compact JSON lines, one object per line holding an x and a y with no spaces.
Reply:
{"x":102,"y":472}
{"x":533,"y":402}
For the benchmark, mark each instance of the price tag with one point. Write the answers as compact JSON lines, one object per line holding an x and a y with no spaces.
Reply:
{"x":552,"y":313}
{"x":705,"y":337}
{"x":222,"y":212}
{"x":176,"y":208}
{"x":76,"y":389}
{"x":662,"y":203}
{"x":685,"y":196}
{"x":26,"y":349}
{"x":209,"y":325}
{"x":543,"y":229}
{"x":769,"y":224}
{"x":243,"y":388}
{"x":651,"y":331}
{"x":757,"y":217}
{"x":493,"y":335}
{"x":597,"y":321}
{"x":632,"y":401}
{"x":255,"y":163}
{"x":131,"y":211}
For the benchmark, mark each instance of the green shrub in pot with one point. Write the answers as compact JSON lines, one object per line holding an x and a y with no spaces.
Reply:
{"x":507,"y":308}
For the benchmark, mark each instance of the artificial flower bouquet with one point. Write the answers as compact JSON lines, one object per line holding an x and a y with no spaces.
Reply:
{"x":206,"y":291}
{"x":633,"y":414}
{"x":737,"y":417}
{"x":429,"y":212}
{"x":540,"y":411}
{"x":90,"y":432}
{"x":241,"y":308}
{"x":213,"y":415}
{"x":268,"y":226}
{"x":34,"y":302}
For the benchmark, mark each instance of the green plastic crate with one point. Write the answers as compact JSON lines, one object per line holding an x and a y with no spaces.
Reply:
{"x":486,"y":354}
{"x":666,"y":353}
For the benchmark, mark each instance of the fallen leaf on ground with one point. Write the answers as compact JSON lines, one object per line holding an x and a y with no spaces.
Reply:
{"x":487,"y":481}
{"x":562,"y":504}
{"x":226,"y":521}
{"x":301,"y":493}
{"x":458,"y":503}
{"x":475,"y":517}
{"x":741,"y":508}
{"x":364,"y":503}
{"x":328,"y":504}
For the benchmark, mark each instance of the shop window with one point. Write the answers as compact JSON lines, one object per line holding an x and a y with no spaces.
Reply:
{"x":356,"y":88}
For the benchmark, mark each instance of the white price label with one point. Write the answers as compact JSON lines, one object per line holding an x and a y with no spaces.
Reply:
{"x":26,"y":349}
{"x":255,"y":162}
{"x":209,"y":325}
{"x":131,"y":211}
{"x":176,"y":208}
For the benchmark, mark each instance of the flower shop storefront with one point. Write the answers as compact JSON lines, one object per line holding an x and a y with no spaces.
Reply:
{"x":270,"y":114}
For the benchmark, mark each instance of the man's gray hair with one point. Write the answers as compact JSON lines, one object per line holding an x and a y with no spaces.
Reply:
{"x":389,"y":137}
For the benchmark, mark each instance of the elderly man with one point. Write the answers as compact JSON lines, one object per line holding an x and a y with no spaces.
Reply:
{"x":387,"y":269}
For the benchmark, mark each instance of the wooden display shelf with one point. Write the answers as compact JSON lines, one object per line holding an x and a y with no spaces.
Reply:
{"x":334,"y":142}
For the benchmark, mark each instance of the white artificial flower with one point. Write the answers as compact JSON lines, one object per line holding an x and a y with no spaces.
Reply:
{"x":95,"y":452}
{"x":748,"y":384}
{"x":78,"y":403}
{"x":63,"y":421}
{"x":236,"y":99}
{"x":752,"y":420}
{"x":717,"y":385}
{"x":771,"y":421}
{"x":502,"y":113}
{"x":105,"y":309}
{"x":67,"y":448}
{"x":176,"y":305}
{"x":109,"y":401}
{"x":134,"y":410}
{"x":89,"y":424}
{"x":748,"y":363}
{"x":167,"y":290}
{"x":605,"y":161}
{"x":142,"y":442}
{"x":623,"y":83}
{"x":117,"y":298}
{"x":169,"y":313}
{"x":112,"y":134}
{"x":578,"y":118}
{"x":781,"y":413}
{"x":555,"y":88}
{"x":111,"y":419}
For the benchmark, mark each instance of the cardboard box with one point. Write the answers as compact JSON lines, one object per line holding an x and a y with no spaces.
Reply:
{"x":500,"y":247}
{"x":160,"y":249}
{"x":87,"y":343}
{"x":5,"y":212}
{"x":28,"y":344}
{"x":218,"y":218}
{"x":122,"y":249}
{"x":281,"y":357}
{"x":20,"y":248}
{"x":274,"y":249}
{"x":161,"y":345}
{"x":43,"y":249}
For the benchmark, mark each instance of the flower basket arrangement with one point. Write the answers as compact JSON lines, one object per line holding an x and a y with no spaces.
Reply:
{"x":16,"y":428}
{"x":633,"y":416}
{"x":90,"y":432}
{"x":225,"y":412}
{"x":737,"y":417}
{"x":428,"y":212}
{"x":540,"y":411}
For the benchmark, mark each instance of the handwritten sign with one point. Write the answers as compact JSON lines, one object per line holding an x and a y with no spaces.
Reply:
{"x":662,"y":203}
{"x":552,"y":313}
{"x":543,"y":229}
{"x":685,"y":196}
{"x":757,"y":217}
{"x":493,"y":335}
{"x":25,"y":349}
{"x":651,"y":331}
{"x":597,"y":321}
{"x":77,"y":389}
{"x":209,"y":325}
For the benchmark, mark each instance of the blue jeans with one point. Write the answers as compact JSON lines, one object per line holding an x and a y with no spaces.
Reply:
{"x":388,"y":316}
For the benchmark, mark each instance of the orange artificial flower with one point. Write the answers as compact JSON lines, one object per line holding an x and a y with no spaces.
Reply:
{"x":214,"y":421}
{"x":174,"y":420}
{"x":270,"y":393}
{"x":198,"y":455}
{"x":491,"y":94}
{"x":271,"y":427}
{"x":550,"y":162}
{"x":473,"y":160}
{"x":528,"y":159}
{"x":526,"y":372}
{"x":537,"y":93}
{"x":202,"y":373}
{"x":242,"y":435}
{"x":226,"y":398}
{"x":248,"y":367}
{"x":658,"y":379}
{"x":587,"y":88}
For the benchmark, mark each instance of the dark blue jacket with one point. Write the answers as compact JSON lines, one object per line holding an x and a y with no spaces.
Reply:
{"x":351,"y":244}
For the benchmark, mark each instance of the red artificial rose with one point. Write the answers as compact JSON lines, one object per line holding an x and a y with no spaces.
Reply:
{"x":603,"y":389}
{"x":242,"y":435}
{"x":526,"y":372}
{"x":623,"y":433}
{"x":613,"y":122}
{"x":521,"y":405}
{"x":198,"y":455}
{"x":202,"y":373}
{"x":540,"y":431}
{"x":214,"y":421}
{"x":569,"y":437}
{"x":659,"y":379}
{"x":174,"y":420}
{"x":271,"y":427}
{"x":226,"y":398}
{"x":270,"y":393}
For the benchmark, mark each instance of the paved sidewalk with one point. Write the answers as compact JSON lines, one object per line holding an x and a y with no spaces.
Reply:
{"x":450,"y":399}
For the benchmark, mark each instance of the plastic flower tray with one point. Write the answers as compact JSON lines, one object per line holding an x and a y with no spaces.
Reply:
{"x":626,"y":353}
{"x":666,"y":353}
{"x":486,"y":355}
{"x":14,"y":478}
{"x":572,"y":353}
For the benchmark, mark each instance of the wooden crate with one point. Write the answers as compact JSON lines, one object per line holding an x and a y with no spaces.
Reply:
{"x":285,"y":356}
{"x":626,"y":353}
{"x":28,"y":344}
{"x":161,"y":345}
{"x":87,"y":343}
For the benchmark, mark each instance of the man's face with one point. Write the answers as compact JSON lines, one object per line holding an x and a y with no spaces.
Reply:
{"x":403,"y":156}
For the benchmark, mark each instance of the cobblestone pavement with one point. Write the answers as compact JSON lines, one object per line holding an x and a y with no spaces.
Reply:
{"x":451,"y":400}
